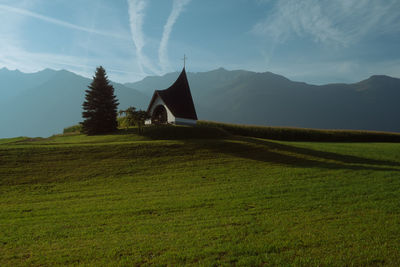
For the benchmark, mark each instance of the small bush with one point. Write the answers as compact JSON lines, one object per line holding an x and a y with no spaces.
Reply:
{"x":122,"y":123}
{"x":73,"y":129}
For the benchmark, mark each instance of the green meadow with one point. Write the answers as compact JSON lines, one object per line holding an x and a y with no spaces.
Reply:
{"x":172,"y":197}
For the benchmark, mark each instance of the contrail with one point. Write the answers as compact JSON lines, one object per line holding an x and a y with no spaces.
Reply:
{"x":136,"y":17}
{"x":58,"y":22}
{"x":177,"y":8}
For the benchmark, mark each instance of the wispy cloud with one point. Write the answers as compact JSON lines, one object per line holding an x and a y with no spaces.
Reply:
{"x":340,"y":22}
{"x":136,"y":19}
{"x":17,"y":53}
{"x":177,"y":8}
{"x":35,"y":15}
{"x":15,"y":57}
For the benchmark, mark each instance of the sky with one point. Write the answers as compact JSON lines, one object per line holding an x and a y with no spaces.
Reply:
{"x":315,"y":41}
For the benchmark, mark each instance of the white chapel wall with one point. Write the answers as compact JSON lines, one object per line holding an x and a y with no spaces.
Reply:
{"x":159,"y":101}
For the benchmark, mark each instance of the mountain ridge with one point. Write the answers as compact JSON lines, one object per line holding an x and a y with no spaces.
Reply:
{"x":43,"y":103}
{"x":52,"y":102}
{"x":265,"y":98}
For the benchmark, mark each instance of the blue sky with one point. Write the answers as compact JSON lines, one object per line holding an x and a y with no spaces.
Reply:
{"x":316,"y":41}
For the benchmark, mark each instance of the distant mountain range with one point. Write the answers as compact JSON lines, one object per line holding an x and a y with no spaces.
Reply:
{"x":43,"y":103}
{"x":269,"y":99}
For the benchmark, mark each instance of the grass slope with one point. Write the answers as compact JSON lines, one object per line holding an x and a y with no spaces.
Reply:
{"x":125,"y":199}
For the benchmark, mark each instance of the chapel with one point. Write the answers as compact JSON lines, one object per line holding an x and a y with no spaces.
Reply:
{"x":173,"y":105}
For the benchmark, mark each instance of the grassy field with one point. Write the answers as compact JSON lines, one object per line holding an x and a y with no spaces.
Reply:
{"x":126,"y":200}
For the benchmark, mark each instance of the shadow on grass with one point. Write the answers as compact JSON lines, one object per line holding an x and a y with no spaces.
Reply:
{"x":180,"y":132}
{"x":283,"y":154}
{"x":348,"y":159}
{"x":260,"y":150}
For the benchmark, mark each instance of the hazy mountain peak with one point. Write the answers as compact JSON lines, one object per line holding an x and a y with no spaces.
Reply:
{"x":5,"y":69}
{"x":47,"y":70}
{"x":381,"y":78}
{"x":221,"y":69}
{"x":379,"y":83}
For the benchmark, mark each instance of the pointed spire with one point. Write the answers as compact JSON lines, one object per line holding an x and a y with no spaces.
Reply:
{"x":184,"y":61}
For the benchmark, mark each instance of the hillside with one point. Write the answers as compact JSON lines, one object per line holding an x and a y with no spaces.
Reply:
{"x":126,"y":199}
{"x":269,"y":99}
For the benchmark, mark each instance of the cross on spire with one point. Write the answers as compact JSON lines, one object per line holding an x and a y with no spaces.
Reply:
{"x":184,"y":60}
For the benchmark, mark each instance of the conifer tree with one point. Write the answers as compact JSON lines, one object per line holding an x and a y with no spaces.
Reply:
{"x":100,"y":106}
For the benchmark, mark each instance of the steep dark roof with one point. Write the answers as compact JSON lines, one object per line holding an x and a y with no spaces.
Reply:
{"x":177,"y":98}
